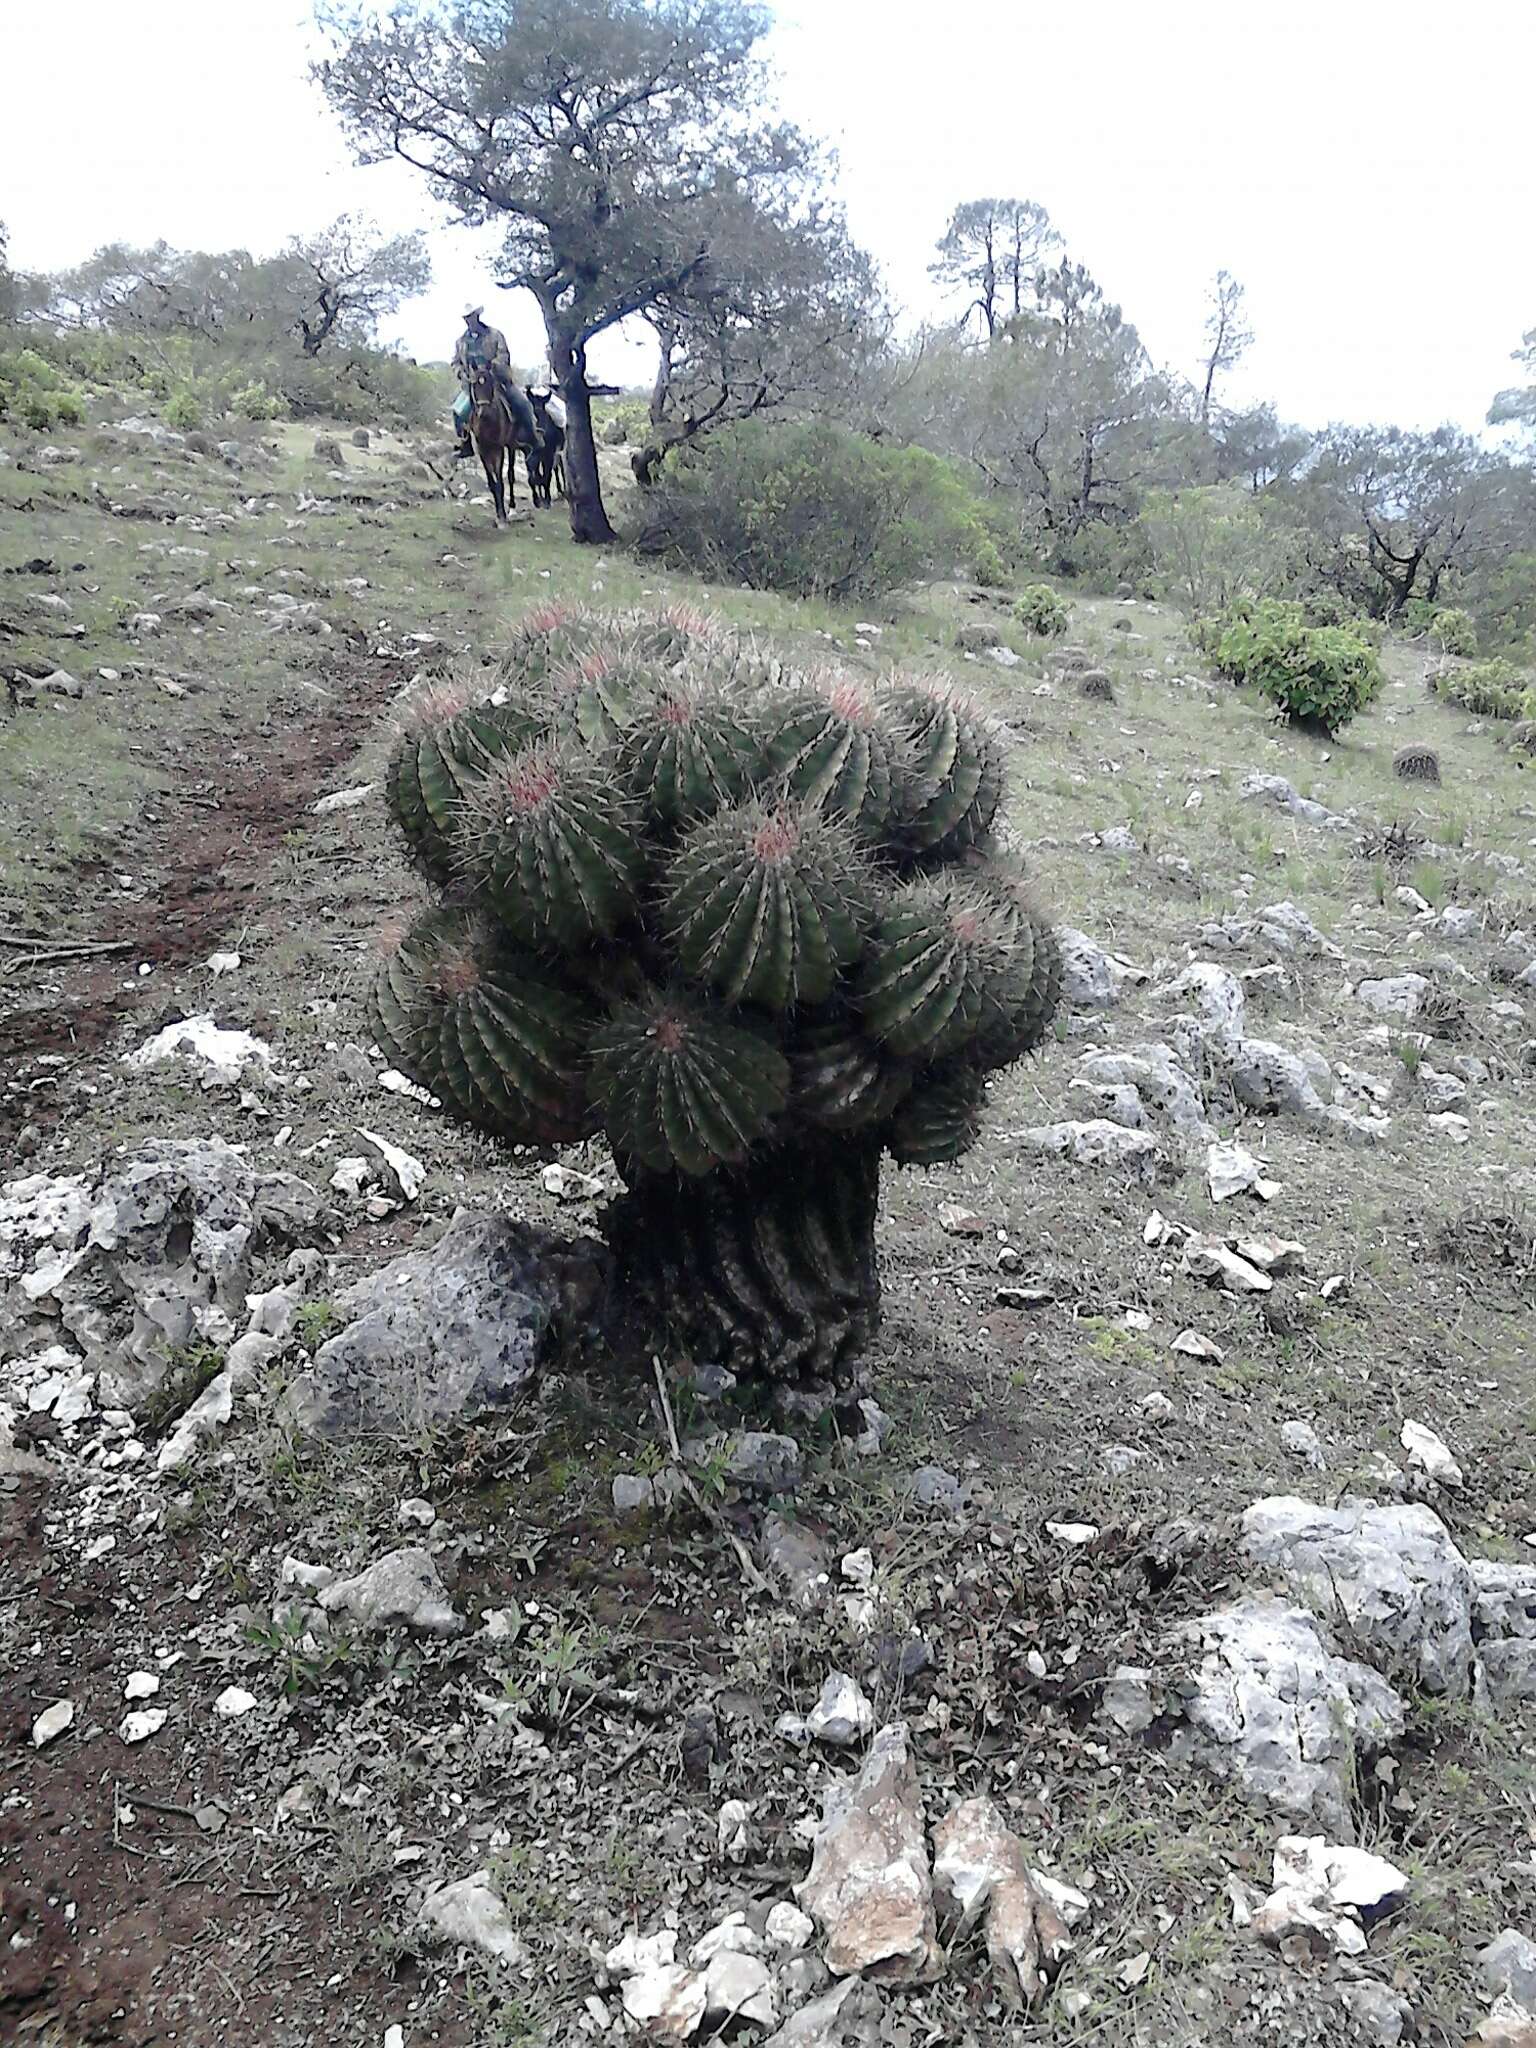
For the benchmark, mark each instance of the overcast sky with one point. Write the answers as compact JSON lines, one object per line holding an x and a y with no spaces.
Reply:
{"x":1368,"y":174}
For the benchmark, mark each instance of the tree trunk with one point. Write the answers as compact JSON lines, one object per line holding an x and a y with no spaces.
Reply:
{"x":583,"y":489}
{"x":661,"y":391}
{"x":769,"y":1271}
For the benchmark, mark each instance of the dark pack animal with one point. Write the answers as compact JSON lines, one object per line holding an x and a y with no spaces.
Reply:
{"x":546,"y":464}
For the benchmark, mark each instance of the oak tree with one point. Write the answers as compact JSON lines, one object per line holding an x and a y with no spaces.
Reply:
{"x":600,"y":136}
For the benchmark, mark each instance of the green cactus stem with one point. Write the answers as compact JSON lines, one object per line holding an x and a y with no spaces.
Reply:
{"x":682,"y":1088}
{"x":550,"y":841}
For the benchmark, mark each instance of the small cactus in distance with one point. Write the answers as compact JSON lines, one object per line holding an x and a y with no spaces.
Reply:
{"x":754,"y":926}
{"x":1416,"y":763}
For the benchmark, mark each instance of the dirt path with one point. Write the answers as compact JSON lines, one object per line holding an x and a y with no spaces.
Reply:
{"x":206,"y":859}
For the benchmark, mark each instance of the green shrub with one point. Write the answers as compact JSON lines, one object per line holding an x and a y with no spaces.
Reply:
{"x":628,"y":418}
{"x":256,"y":402}
{"x":1488,"y":689}
{"x":33,"y":391}
{"x":987,"y":564}
{"x":1451,"y":629}
{"x":812,"y":508}
{"x":1214,"y":545}
{"x":1039,"y":610}
{"x":204,"y":377}
{"x":184,"y":409}
{"x":1318,"y":676}
{"x":1325,"y":606}
{"x":362,"y":387}
{"x":1103,"y":555}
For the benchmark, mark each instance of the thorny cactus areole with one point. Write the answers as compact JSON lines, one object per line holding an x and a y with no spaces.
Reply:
{"x":750,"y":923}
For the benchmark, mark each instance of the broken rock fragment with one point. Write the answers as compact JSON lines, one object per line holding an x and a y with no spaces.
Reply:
{"x":870,"y":1887}
{"x":1328,"y":1893}
{"x":980,"y":1867}
{"x":1231,"y":1169}
{"x":470,"y":1913}
{"x":846,"y":2016}
{"x":401,"y":1590}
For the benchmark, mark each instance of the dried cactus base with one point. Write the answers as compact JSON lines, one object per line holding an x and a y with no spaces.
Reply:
{"x":768,"y":1269}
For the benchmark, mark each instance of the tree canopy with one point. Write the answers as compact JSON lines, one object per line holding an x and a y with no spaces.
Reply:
{"x":616,"y":144}
{"x":1516,"y":406}
{"x":784,"y":314}
{"x":994,"y":250}
{"x":335,"y":286}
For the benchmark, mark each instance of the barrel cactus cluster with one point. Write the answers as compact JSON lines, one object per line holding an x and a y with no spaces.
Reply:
{"x":751,"y":923}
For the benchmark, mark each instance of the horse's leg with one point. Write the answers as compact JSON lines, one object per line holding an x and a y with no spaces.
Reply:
{"x":558,"y":476}
{"x":490,"y":462}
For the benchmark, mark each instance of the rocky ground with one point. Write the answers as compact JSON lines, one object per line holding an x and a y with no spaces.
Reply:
{"x":1154,"y":1665}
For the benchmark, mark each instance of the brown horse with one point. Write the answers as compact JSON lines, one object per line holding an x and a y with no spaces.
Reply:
{"x":497,"y":435}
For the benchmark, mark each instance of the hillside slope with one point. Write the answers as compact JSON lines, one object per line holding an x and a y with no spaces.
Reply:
{"x":215,"y":644}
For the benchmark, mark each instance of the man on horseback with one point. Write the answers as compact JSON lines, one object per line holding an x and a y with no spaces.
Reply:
{"x":483,"y":347}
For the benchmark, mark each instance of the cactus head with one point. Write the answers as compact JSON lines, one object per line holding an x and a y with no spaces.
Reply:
{"x":955,"y":779}
{"x":548,"y":839}
{"x":1417,"y":762}
{"x":767,"y":903}
{"x":835,"y":748}
{"x":689,"y":749}
{"x":682,"y":1088}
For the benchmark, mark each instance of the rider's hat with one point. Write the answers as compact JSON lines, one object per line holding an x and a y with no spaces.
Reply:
{"x":473,"y":312}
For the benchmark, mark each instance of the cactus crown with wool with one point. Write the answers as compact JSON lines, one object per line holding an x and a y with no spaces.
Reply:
{"x":704,"y":904}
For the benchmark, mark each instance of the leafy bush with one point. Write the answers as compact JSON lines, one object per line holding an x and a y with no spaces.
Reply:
{"x":1451,"y":629}
{"x":184,"y":409}
{"x":256,"y":402}
{"x":1214,"y":546}
{"x":211,"y":376}
{"x":1500,"y":594}
{"x":629,"y":417}
{"x":1039,"y":610}
{"x":1314,"y":675}
{"x":360,"y":387}
{"x":33,"y":391}
{"x":812,"y":508}
{"x":1103,"y":555}
{"x":1488,"y":689}
{"x":987,"y":564}
{"x":1322,"y":605}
